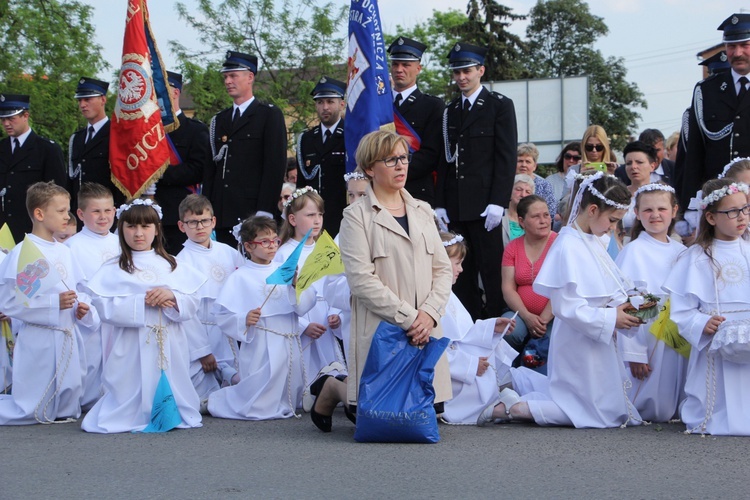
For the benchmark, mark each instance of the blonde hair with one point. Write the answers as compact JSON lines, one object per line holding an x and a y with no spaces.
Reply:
{"x":598,"y":132}
{"x":458,"y":249}
{"x":376,"y":146}
{"x":528,"y":149}
{"x":295,"y":205}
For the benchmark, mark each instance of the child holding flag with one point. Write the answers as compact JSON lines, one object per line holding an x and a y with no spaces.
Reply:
{"x":272,"y":373}
{"x":146,"y":296}
{"x":48,"y":364}
{"x":303,"y":222}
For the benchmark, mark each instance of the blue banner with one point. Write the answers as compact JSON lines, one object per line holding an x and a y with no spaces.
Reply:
{"x":368,"y":94}
{"x":284,"y":275}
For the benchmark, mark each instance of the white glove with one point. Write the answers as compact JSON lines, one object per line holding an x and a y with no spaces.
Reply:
{"x":493,"y":216}
{"x":442,"y":218}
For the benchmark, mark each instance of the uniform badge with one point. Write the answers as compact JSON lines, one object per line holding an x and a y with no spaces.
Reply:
{"x":400,"y":41}
{"x":2,"y":98}
{"x":323,"y":80}
{"x":223,"y":138}
{"x":735,"y":20}
{"x":457,"y":48}
{"x":82,"y":81}
{"x":229,"y":54}
{"x":723,"y":86}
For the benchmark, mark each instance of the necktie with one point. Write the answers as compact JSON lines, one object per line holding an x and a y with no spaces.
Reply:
{"x":16,"y":145}
{"x":236,"y":115}
{"x":467,"y":107}
{"x":398,"y":99}
{"x":91,"y":133}
{"x":327,"y":136}
{"x":743,"y":81}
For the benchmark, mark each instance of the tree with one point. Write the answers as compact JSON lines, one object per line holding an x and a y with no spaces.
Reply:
{"x":487,"y":27}
{"x":296,"y":42}
{"x":439,"y":33}
{"x":561,"y":36}
{"x":46,"y":47}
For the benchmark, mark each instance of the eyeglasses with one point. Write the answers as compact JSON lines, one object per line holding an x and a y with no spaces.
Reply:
{"x":735,"y":212}
{"x":266,"y":243}
{"x":193,"y":224}
{"x":393,"y":160}
{"x":569,"y":156}
{"x":590,"y":147}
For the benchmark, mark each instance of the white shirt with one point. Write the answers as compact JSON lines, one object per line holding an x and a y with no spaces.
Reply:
{"x":323,"y":128}
{"x":471,"y":98}
{"x":21,"y":139}
{"x":98,"y":125}
{"x":735,"y":77}
{"x":404,"y":93}
{"x":243,"y":106}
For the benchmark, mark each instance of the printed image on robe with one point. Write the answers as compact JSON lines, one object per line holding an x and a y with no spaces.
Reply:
{"x":396,"y":394}
{"x":35,"y":275}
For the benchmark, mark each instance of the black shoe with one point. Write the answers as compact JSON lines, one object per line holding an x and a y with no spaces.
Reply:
{"x":351,"y":415}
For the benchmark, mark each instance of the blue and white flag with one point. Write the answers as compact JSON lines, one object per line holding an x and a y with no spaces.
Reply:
{"x":368,"y":93}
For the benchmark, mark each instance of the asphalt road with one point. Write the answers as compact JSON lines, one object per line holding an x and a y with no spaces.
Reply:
{"x":292,"y":459}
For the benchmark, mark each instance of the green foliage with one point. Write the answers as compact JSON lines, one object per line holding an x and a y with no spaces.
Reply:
{"x":439,"y":33}
{"x":46,"y":47}
{"x":296,"y":42}
{"x":561,"y":36}
{"x":487,"y":27}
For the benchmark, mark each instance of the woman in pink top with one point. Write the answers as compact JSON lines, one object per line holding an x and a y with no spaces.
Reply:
{"x":522,"y":259}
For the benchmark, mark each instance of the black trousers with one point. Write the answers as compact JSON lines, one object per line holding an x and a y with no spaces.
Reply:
{"x":484,"y":259}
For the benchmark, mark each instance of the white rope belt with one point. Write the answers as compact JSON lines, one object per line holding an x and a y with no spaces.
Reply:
{"x":289,"y":337}
{"x":68,"y":340}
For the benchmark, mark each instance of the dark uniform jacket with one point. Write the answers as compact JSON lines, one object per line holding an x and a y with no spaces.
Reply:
{"x":191,"y":142}
{"x":329,"y":180}
{"x":38,"y":159}
{"x":424,"y":113}
{"x":486,"y":143}
{"x":93,"y":160}
{"x":250,"y":175}
{"x":715,"y":100}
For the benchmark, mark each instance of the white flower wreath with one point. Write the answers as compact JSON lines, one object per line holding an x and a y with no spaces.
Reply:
{"x":654,"y":186}
{"x":456,"y":239}
{"x":147,"y":202}
{"x":297,"y":194}
{"x":714,"y":196}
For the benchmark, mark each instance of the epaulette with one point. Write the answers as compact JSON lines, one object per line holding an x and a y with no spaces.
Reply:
{"x":497,"y":95}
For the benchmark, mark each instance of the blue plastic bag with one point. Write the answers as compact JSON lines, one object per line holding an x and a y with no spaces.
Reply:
{"x":395,"y":390}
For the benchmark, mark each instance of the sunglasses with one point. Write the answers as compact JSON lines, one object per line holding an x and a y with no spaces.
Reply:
{"x":591,"y":147}
{"x":569,"y":156}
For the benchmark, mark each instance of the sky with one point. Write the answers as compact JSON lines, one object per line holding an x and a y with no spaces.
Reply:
{"x":658,"y":39}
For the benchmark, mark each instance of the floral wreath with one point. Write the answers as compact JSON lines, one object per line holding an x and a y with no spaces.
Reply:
{"x":715,"y":196}
{"x":147,"y":202}
{"x":236,"y":231}
{"x":356,"y":175}
{"x":297,"y":194}
{"x":456,"y":239}
{"x":729,"y":165}
{"x":654,"y":186}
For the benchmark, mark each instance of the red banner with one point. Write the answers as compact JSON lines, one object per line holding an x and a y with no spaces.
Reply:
{"x":138,"y":149}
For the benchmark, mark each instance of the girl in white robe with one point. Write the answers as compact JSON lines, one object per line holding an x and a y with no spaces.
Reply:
{"x":656,"y":370}
{"x":146,"y":297}
{"x":321,"y":326}
{"x":265,"y":318}
{"x":478,"y":356}
{"x":586,"y":381}
{"x":709,"y":290}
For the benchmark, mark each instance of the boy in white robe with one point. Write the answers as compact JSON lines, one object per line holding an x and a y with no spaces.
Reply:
{"x":213,"y":358}
{"x":478,"y":356}
{"x":49,"y":363}
{"x":265,"y":318}
{"x":90,"y":248}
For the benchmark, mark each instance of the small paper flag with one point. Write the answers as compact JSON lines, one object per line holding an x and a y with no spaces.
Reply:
{"x":284,"y":275}
{"x":325,"y":259}
{"x":6,"y":239}
{"x":665,"y":329}
{"x":164,"y":414}
{"x":35,"y":275}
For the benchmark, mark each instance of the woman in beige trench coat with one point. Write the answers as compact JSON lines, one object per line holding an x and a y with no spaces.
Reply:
{"x":396,"y":266}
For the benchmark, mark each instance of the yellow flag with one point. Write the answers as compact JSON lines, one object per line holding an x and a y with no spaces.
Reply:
{"x":6,"y":239}
{"x":325,"y":259}
{"x":35,"y":275}
{"x":665,"y":329}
